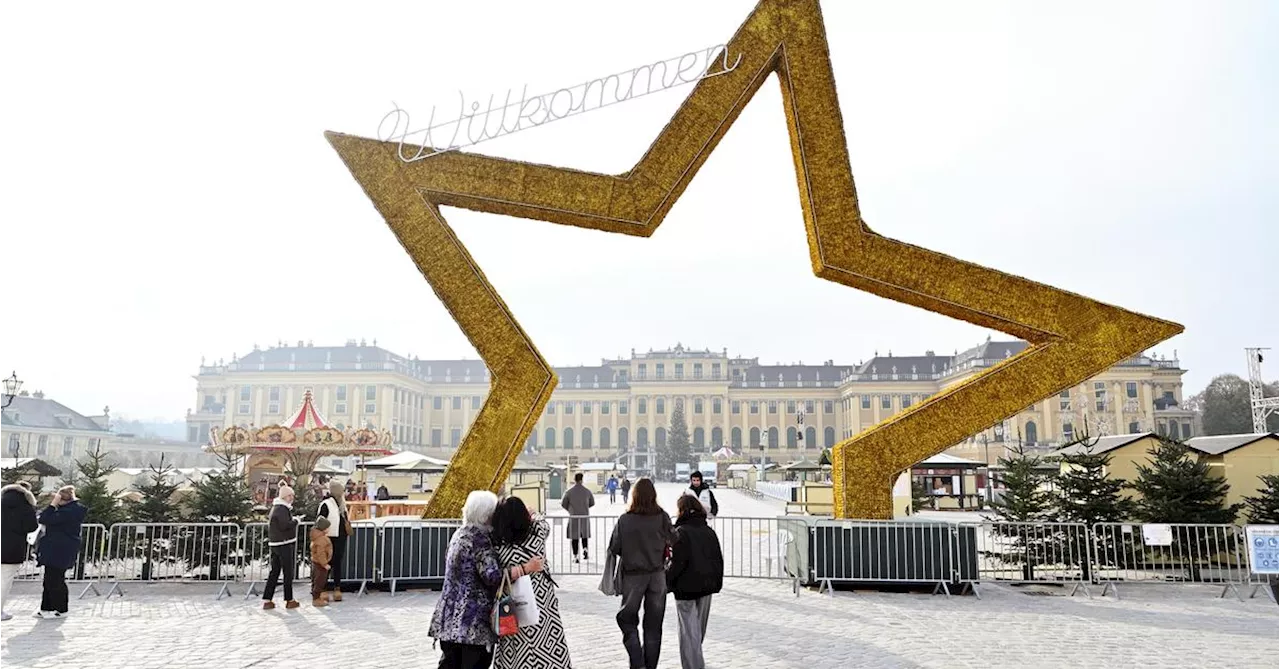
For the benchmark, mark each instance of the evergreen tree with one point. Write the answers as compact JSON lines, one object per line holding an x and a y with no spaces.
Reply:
{"x":677,"y":447}
{"x":223,"y":496}
{"x":156,"y":505}
{"x":1026,"y":500}
{"x":1263,"y":509}
{"x":1086,"y":495}
{"x":102,"y":505}
{"x":1177,"y":487}
{"x":1084,"y":492}
{"x":920,"y":497}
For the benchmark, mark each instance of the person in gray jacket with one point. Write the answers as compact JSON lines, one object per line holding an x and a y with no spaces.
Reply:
{"x":282,"y":541}
{"x":578,"y":501}
{"x":640,"y":541}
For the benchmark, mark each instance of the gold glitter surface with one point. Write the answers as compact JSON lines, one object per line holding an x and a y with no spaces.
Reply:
{"x":1072,"y":337}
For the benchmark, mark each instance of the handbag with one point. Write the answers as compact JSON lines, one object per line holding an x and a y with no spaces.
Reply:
{"x":347,"y":530}
{"x":504,"y":615}
{"x":525,"y":601}
{"x":611,"y":580}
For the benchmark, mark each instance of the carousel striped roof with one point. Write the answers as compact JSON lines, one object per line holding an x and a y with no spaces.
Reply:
{"x":307,"y":417}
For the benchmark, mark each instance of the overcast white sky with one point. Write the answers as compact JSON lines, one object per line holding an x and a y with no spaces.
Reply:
{"x":168,"y":192}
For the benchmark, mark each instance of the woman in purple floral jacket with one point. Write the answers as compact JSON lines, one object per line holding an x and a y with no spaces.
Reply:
{"x":462,"y":620}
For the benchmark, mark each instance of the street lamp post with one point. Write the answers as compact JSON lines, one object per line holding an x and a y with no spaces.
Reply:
{"x":11,"y":387}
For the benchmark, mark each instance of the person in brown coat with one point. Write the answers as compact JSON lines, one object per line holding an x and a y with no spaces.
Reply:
{"x":321,"y":554}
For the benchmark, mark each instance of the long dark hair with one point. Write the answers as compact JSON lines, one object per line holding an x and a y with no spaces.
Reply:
{"x":511,"y":522}
{"x":644,"y":498}
{"x":688,"y":505}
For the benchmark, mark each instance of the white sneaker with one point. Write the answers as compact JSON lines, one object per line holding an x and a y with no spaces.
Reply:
{"x":6,"y":616}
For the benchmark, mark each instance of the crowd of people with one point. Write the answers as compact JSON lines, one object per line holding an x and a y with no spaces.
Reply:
{"x":501,"y":542}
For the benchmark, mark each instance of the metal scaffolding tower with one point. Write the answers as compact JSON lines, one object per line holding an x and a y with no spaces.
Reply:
{"x":1262,"y":406}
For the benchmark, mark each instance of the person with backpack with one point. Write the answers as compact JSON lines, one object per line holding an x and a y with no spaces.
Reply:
{"x":700,"y":491}
{"x":695,"y":573}
{"x":626,"y":488}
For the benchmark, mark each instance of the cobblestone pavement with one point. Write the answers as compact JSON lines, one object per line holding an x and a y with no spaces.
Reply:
{"x":754,"y":623}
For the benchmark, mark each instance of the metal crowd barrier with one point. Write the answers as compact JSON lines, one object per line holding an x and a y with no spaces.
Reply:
{"x":1176,"y":553}
{"x":871,"y":551}
{"x":1015,"y":552}
{"x":414,"y":550}
{"x":255,"y":556}
{"x":183,"y":552}
{"x":89,"y":562}
{"x":560,"y":555}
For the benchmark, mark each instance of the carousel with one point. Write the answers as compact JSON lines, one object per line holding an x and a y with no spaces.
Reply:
{"x":296,"y":446}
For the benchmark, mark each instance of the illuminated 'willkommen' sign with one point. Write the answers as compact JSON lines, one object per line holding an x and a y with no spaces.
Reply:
{"x":476,"y":125}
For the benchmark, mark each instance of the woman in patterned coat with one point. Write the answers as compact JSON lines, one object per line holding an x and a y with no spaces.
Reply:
{"x":461,"y":622}
{"x":517,"y":537}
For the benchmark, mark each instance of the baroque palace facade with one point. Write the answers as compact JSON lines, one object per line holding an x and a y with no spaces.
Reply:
{"x":622,"y":408}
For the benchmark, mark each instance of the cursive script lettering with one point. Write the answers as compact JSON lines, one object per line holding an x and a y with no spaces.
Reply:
{"x":531,"y":112}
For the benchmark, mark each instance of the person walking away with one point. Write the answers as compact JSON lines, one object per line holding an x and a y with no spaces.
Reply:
{"x":383,"y":494}
{"x":702,"y":492}
{"x":578,"y":501}
{"x":282,"y":541}
{"x":462,"y":618}
{"x":321,"y":558}
{"x":334,"y":509}
{"x":626,"y":488}
{"x":18,"y":521}
{"x":696,"y":572}
{"x":58,"y":549}
{"x":640,"y":541}
{"x":519,"y":537}
{"x":611,"y":487}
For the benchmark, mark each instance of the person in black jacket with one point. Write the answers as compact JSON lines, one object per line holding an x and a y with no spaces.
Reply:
{"x":59,"y":549}
{"x":18,"y":520}
{"x":696,"y":572}
{"x":282,"y":541}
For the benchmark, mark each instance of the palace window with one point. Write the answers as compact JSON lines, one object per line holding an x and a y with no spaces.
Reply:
{"x":773,"y":406}
{"x":437,"y":438}
{"x":476,"y":401}
{"x":245,"y":394}
{"x":662,"y":370}
{"x":551,"y":408}
{"x":624,"y":406}
{"x":866,"y":401}
{"x":697,"y":370}
{"x":808,"y":406}
{"x":437,"y":403}
{"x":370,"y":393}
{"x":716,"y":407}
{"x":886,"y":401}
{"x":340,"y":408}
{"x":42,"y":445}
{"x":642,"y":406}
{"x":791,"y":407}
{"x":604,"y":407}
{"x":1099,"y":396}
{"x":1131,"y":390}
{"x":735,"y":407}
{"x":697,"y":405}
{"x":906,"y":401}
{"x":679,"y":370}
{"x":660,"y":405}
{"x":68,"y":446}
{"x":341,"y":394}
{"x":457,"y":402}
{"x":715,"y":371}
{"x":586,"y":409}
{"x":1064,"y":400}
{"x":568,"y":410}
{"x":755,"y":406}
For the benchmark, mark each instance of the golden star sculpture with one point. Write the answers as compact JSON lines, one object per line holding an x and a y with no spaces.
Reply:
{"x":1072,"y":337}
